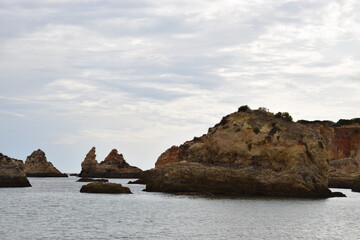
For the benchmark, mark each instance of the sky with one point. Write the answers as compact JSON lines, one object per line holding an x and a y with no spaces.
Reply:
{"x":141,"y":76}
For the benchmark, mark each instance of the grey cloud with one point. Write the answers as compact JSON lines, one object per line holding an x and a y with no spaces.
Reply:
{"x":129,"y":73}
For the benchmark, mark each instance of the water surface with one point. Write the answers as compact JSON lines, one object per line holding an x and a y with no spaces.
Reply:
{"x":55,"y":209}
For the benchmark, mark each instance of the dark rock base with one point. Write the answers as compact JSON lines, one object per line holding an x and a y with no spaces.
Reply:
{"x":92,"y":180}
{"x":199,"y":179}
{"x":111,"y":175}
{"x":7,"y":182}
{"x":100,"y":187}
{"x":46,"y":175}
{"x":341,"y":182}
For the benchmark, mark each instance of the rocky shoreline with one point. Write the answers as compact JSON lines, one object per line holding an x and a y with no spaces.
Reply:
{"x":248,"y":153}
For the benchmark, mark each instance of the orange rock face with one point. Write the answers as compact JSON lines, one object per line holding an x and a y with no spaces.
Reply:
{"x":347,"y":141}
{"x":342,"y":145}
{"x":169,"y":156}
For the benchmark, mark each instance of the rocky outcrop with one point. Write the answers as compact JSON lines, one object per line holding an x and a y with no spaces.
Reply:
{"x":114,"y":166}
{"x":342,"y":145}
{"x":36,"y":165}
{"x":12,"y":173}
{"x":101,"y":187}
{"x":250,"y":152}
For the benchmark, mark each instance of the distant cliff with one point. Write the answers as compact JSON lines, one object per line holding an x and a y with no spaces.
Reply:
{"x":36,"y":165}
{"x":250,"y":152}
{"x":114,"y":166}
{"x":342,"y":144}
{"x":12,"y":173}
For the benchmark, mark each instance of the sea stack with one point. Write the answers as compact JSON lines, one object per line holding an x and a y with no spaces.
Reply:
{"x":250,"y":152}
{"x":113,"y":166}
{"x":36,"y":165}
{"x":12,"y":173}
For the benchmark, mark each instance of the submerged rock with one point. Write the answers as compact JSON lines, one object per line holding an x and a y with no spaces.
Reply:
{"x":85,"y":179}
{"x":12,"y":173}
{"x":36,"y":165}
{"x":114,"y":166}
{"x":101,"y":187}
{"x":250,"y":152}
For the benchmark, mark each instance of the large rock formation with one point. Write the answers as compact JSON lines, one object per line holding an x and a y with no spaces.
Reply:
{"x":36,"y":165}
{"x":114,"y":166}
{"x":12,"y":173}
{"x":250,"y":152}
{"x":342,"y":144}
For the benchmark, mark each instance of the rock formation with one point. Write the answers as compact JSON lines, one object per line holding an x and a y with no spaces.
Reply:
{"x":342,"y":144}
{"x":114,"y":166}
{"x":36,"y":165}
{"x":104,"y":187}
{"x":250,"y":152}
{"x":12,"y":173}
{"x":355,"y":187}
{"x":86,"y":179}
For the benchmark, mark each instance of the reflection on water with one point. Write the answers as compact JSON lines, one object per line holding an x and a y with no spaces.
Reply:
{"x":55,"y":209}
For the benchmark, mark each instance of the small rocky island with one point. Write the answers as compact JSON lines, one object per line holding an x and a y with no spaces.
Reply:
{"x":12,"y":173}
{"x":36,"y":165}
{"x":250,"y":152}
{"x":104,"y":187}
{"x":114,"y":166}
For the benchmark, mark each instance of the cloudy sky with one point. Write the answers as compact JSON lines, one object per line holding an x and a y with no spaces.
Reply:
{"x":143,"y":75}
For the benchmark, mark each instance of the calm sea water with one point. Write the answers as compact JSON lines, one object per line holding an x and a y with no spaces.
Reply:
{"x":55,"y":209}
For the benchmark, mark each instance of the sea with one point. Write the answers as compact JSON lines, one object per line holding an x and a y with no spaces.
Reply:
{"x":53,"y":208}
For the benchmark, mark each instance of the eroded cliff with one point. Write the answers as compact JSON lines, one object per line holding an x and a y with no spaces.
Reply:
{"x":250,"y":152}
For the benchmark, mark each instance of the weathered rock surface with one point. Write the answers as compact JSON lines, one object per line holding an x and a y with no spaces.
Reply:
{"x":342,"y":145}
{"x":12,"y":173}
{"x":114,"y":166}
{"x":36,"y":165}
{"x":86,"y":179}
{"x":345,"y":166}
{"x":101,"y":187}
{"x":250,"y":152}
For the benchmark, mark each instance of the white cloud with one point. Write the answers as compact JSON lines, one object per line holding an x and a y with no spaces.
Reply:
{"x":147,"y":71}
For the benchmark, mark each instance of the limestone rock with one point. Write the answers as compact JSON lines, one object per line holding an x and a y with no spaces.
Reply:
{"x":104,"y":187}
{"x":342,"y":145}
{"x":12,"y":173}
{"x":113,"y":166}
{"x":250,"y":152}
{"x":36,"y":165}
